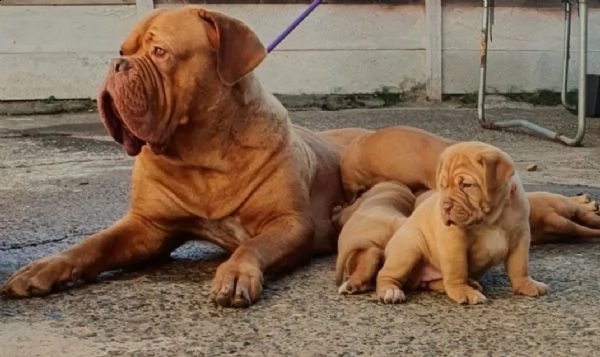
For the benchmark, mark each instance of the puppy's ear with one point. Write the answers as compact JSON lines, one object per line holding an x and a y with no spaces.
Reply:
{"x":498,"y":168}
{"x":441,"y":177}
{"x":239,"y":51}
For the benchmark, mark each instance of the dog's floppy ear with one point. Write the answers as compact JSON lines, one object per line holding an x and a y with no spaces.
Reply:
{"x":498,"y":168}
{"x":441,"y":177}
{"x":238,"y":48}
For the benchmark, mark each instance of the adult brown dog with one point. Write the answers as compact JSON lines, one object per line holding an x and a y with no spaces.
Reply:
{"x":368,"y":224}
{"x":477,"y":218}
{"x":217,"y":157}
{"x":555,"y":217}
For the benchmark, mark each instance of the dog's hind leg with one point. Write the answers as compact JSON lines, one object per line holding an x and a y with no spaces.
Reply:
{"x":363,"y":266}
{"x":558,"y":225}
{"x":402,"y":255}
{"x":588,"y":215}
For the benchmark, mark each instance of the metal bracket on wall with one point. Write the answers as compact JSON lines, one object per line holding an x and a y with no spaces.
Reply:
{"x":488,"y":7}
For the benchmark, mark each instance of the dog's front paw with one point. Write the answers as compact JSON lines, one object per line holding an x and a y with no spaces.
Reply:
{"x":390,"y":294}
{"x":38,"y":278}
{"x":236,"y":284}
{"x":465,"y":294}
{"x":532,"y":288}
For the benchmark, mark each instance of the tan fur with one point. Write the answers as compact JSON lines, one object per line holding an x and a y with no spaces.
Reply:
{"x":217,"y":158}
{"x":341,"y":138}
{"x":368,"y":224}
{"x":403,"y":154}
{"x":477,"y":218}
{"x":555,"y":217}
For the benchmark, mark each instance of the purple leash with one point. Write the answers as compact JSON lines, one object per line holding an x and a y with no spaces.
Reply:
{"x":293,"y":25}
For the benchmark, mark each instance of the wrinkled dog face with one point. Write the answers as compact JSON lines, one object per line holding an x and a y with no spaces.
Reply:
{"x":173,"y":65}
{"x":473,"y":179}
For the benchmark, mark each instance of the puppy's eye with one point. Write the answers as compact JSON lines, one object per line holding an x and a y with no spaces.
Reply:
{"x":121,"y":53}
{"x":159,"y":52}
{"x":464,"y":185}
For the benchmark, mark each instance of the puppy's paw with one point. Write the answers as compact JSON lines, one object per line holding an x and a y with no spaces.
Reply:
{"x":438,"y":285}
{"x":532,"y":288}
{"x":586,"y":202}
{"x":390,"y":294}
{"x":336,"y":210}
{"x":591,"y":206}
{"x":465,"y":294}
{"x":336,"y":214}
{"x":475,"y":285}
{"x":351,"y":287}
{"x":236,"y":284}
{"x":581,"y":198}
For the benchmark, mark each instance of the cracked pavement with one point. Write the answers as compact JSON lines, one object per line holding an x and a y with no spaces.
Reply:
{"x":62,"y":178}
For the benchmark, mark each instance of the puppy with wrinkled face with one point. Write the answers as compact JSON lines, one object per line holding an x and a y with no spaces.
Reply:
{"x":477,"y":218}
{"x":367,"y":226}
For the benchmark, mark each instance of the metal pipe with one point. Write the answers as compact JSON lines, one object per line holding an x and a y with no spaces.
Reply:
{"x":483,"y":47}
{"x":566,"y":55}
{"x":583,"y":52}
{"x":528,"y":125}
{"x":581,"y":110}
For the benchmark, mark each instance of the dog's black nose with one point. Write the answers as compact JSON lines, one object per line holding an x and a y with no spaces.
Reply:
{"x":120,"y":64}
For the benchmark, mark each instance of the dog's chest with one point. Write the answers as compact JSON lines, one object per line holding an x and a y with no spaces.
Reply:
{"x":227,"y":233}
{"x":489,"y":246}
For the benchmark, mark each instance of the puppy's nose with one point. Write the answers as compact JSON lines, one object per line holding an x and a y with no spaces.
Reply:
{"x":120,"y":64}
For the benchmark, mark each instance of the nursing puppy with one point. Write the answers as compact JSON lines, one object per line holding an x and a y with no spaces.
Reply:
{"x":401,"y":153}
{"x":368,"y":224}
{"x":554,"y":217}
{"x":477,"y":218}
{"x":341,"y":138}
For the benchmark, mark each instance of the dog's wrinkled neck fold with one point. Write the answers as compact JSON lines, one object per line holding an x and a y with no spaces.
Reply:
{"x":243,"y":116}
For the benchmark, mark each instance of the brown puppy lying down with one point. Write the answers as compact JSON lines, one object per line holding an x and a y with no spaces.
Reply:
{"x":368,"y":224}
{"x":477,"y":218}
{"x":555,"y":217}
{"x":217,"y":160}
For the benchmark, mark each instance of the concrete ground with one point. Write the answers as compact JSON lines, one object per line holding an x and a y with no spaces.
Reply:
{"x":62,"y":178}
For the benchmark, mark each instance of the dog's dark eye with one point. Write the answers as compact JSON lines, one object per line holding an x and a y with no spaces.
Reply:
{"x":121,"y":53}
{"x":464,"y":185}
{"x":159,"y":52}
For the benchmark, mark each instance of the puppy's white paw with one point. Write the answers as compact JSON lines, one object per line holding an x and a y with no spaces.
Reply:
{"x":391,"y":295}
{"x":345,"y":289}
{"x":354,"y":286}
